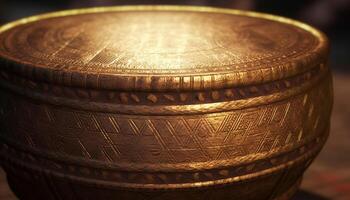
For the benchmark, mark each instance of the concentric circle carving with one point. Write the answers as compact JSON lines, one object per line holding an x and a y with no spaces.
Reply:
{"x":159,"y":48}
{"x":155,"y":42}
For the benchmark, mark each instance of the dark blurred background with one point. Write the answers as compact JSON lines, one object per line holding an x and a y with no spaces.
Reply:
{"x":329,"y":176}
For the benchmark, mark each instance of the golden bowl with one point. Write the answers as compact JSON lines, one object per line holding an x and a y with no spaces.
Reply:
{"x":161,"y":102}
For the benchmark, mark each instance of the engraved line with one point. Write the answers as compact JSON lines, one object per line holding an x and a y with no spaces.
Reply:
{"x":164,"y":110}
{"x":106,"y":136}
{"x":68,"y":42}
{"x":134,"y":127}
{"x":84,"y":149}
{"x":160,"y":140}
{"x":114,"y":124}
{"x":239,"y":178}
{"x":195,"y":139}
{"x":173,"y":132}
{"x":285,"y":113}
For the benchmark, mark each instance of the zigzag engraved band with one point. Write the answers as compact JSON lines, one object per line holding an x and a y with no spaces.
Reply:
{"x":155,"y":180}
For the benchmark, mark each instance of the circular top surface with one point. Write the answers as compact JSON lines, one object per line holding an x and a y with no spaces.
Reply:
{"x":160,"y":47}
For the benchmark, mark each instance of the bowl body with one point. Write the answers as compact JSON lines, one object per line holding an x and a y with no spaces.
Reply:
{"x":249,"y":137}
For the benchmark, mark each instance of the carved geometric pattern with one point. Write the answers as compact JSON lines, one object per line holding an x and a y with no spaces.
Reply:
{"x":223,"y":104}
{"x":198,"y":42}
{"x":167,"y":139}
{"x":12,"y":154}
{"x":163,"y":98}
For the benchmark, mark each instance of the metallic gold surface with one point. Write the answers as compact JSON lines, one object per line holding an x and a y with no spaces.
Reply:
{"x":161,"y":102}
{"x":152,"y":48}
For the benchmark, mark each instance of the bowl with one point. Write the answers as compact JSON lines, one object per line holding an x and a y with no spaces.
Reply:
{"x":161,"y":102}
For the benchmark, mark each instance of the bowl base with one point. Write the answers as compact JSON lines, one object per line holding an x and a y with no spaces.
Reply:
{"x":290,"y":192}
{"x":30,"y":192}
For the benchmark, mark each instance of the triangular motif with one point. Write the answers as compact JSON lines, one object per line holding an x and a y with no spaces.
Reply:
{"x":146,"y":130}
{"x":203,"y":129}
{"x":181,"y":128}
{"x":136,"y":125}
{"x":229,"y":122}
{"x":192,"y":123}
{"x":216,"y":122}
{"x":213,"y":153}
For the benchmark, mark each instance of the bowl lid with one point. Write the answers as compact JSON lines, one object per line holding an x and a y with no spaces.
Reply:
{"x":159,"y":48}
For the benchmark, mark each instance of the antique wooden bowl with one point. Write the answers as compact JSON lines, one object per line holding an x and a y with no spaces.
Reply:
{"x":161,"y":102}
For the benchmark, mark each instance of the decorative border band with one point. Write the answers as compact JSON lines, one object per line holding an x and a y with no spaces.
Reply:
{"x":164,"y":103}
{"x":163,"y":180}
